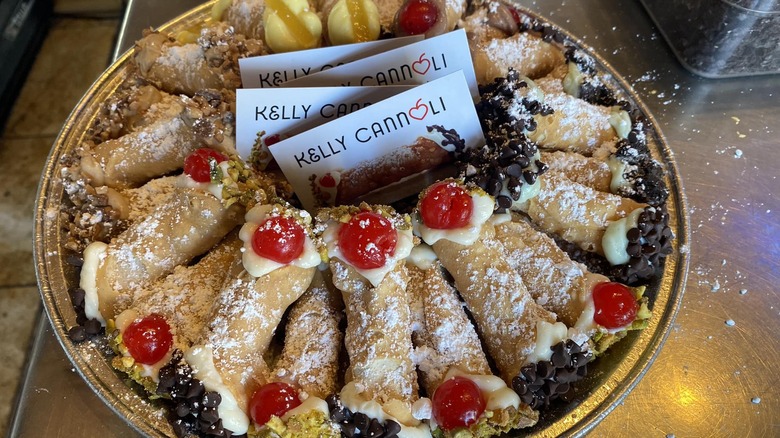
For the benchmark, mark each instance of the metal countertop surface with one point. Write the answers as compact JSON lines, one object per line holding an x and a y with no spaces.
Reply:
{"x":716,"y":374}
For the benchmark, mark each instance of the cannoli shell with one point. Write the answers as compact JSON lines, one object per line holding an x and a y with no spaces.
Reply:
{"x":584,"y":170}
{"x":313,"y":339}
{"x":188,"y":225}
{"x":527,"y":54}
{"x":505,"y":313}
{"x":247,"y":312}
{"x":575,"y":212}
{"x":445,"y":335}
{"x":379,"y":335}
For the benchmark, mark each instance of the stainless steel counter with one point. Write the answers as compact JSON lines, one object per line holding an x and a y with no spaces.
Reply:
{"x":716,"y":374}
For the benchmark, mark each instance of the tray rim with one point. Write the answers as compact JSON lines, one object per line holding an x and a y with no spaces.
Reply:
{"x":138,"y":412}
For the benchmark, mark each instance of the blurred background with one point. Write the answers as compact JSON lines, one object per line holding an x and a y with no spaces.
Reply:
{"x":50,"y":52}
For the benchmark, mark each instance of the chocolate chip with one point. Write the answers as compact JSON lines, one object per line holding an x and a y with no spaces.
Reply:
{"x":77,"y":333}
{"x":392,"y":429}
{"x":361,"y":421}
{"x":540,"y":383}
{"x":211,"y":399}
{"x":349,"y":430}
{"x":182,"y":409}
{"x":93,"y":327}
{"x":209,"y":414}
{"x":77,"y":296}
{"x":375,"y":429}
{"x":504,"y":201}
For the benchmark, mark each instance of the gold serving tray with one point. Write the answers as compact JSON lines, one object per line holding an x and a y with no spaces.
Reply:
{"x":610,"y":378}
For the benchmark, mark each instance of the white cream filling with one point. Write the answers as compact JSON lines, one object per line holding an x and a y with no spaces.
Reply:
{"x":202,"y":362}
{"x":308,"y":405}
{"x":215,"y":189}
{"x":410,"y":426}
{"x":93,"y":255}
{"x":615,"y":242}
{"x":422,"y":256}
{"x":618,"y":169}
{"x":620,"y":121}
{"x":527,"y":191}
{"x":257,"y":265}
{"x":494,"y":390}
{"x":573,"y":80}
{"x":403,"y":247}
{"x":481,"y":212}
{"x":547,"y":335}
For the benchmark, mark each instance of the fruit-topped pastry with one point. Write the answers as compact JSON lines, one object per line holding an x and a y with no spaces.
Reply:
{"x":366,"y":247}
{"x":278,"y":263}
{"x":467,"y":399}
{"x":451,"y":210}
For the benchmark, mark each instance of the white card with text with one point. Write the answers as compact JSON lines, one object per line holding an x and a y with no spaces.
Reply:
{"x":412,"y":64}
{"x":270,"y":71}
{"x":280,"y":113}
{"x":382,"y":147}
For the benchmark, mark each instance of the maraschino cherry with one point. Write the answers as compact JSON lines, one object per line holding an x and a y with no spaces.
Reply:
{"x":616,"y":306}
{"x":367,"y":240}
{"x":446,"y":205}
{"x":279,"y":239}
{"x":417,"y":16}
{"x":198,"y":164}
{"x":457,"y":402}
{"x":148,"y":339}
{"x":275,"y":398}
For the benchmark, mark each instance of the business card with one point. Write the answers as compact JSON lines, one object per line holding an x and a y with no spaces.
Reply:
{"x":382,"y":148}
{"x":412,"y":64}
{"x":267,"y":115}
{"x":270,"y":71}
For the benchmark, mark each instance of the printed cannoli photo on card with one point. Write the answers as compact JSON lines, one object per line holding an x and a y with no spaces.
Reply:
{"x":360,"y":218}
{"x":385,"y":152}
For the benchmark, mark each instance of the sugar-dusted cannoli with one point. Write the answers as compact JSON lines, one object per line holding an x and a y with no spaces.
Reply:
{"x":366,"y":247}
{"x":278,"y":262}
{"x":453,"y":366}
{"x":185,"y":226}
{"x":453,"y":220}
{"x":176,"y":126}
{"x":527,"y":54}
{"x":188,"y":67}
{"x":588,"y":171}
{"x":428,"y":17}
{"x":294,"y":402}
{"x":488,"y":20}
{"x":182,"y":300}
{"x":246,"y":16}
{"x":428,"y":152}
{"x":291,"y":25}
{"x":349,"y":21}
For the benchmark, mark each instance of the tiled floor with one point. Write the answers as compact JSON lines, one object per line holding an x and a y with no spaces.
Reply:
{"x":77,"y":48}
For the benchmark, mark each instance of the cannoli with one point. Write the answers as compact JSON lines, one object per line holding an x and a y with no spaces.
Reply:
{"x":209,"y":63}
{"x":527,"y":54}
{"x":488,"y":20}
{"x":428,"y":17}
{"x":366,"y":247}
{"x":349,"y":21}
{"x":182,"y":301}
{"x":450,"y":357}
{"x":307,"y":370}
{"x":177,"y":125}
{"x":453,"y":220}
{"x":186,"y":225}
{"x":291,"y":25}
{"x":428,"y":152}
{"x":246,"y":16}
{"x":124,"y":112}
{"x":277,"y":265}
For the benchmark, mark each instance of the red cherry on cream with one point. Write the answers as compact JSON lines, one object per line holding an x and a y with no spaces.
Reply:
{"x":328,"y":181}
{"x":279,"y":239}
{"x":275,"y":398}
{"x":148,"y":339}
{"x":445,"y":206}
{"x":417,"y":17}
{"x":367,"y":240}
{"x":198,"y":164}
{"x":457,"y":402}
{"x":616,"y":306}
